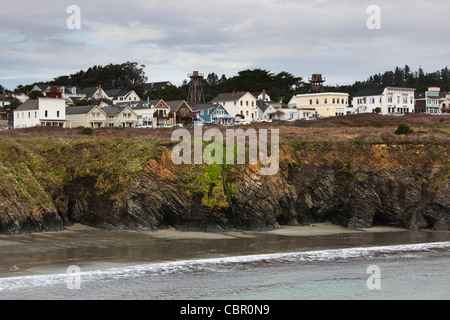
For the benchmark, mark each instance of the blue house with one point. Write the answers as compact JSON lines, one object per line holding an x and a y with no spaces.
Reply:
{"x":213,"y":114}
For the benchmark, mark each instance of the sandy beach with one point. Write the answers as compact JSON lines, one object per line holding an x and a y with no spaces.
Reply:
{"x":38,"y":253}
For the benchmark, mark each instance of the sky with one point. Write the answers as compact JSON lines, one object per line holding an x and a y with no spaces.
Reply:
{"x":344,"y":40}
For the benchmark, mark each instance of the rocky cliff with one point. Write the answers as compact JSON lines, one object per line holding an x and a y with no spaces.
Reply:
{"x":47,"y":184}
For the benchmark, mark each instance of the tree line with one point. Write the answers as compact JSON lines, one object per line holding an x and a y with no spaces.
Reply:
{"x":279,"y":86}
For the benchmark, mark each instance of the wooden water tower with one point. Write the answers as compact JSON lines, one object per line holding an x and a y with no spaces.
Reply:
{"x":316,"y":83}
{"x":196,"y":94}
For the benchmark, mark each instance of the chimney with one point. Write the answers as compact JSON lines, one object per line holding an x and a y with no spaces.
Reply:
{"x":264,"y":95}
{"x":152,"y":85}
{"x":234,"y":92}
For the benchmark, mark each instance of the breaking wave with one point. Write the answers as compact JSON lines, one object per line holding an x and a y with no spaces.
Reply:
{"x":222,"y":263}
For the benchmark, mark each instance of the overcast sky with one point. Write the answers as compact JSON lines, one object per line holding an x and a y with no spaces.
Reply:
{"x":173,"y":38}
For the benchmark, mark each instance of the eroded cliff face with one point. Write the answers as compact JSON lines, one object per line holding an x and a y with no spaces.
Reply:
{"x":352,"y":185}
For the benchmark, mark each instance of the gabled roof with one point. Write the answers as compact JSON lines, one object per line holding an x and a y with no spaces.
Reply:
{"x":262,"y":105}
{"x":114,"y":111}
{"x":155,"y":85}
{"x":42,"y":87}
{"x":112,"y":92}
{"x":79,"y":110}
{"x":29,"y":105}
{"x":229,"y":96}
{"x":369,"y":93}
{"x":90,"y":91}
{"x":203,"y":106}
{"x":122,"y":93}
{"x":176,"y":105}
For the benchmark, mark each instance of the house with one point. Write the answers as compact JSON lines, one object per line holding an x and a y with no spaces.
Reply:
{"x":4,"y":118}
{"x":444,"y":106}
{"x":213,"y":114}
{"x":66,"y":91}
{"x":151,"y":113}
{"x":428,"y":101}
{"x":22,"y":97}
{"x":122,"y":117}
{"x":156,"y":85}
{"x":4,"y":100}
{"x":241,"y":105}
{"x":433,"y":100}
{"x":182,"y":111}
{"x":86,"y":116}
{"x":40,"y":112}
{"x":95,"y":93}
{"x":390,"y":100}
{"x":322,"y":104}
{"x":269,"y":110}
{"x":261,"y":96}
{"x":123,"y":96}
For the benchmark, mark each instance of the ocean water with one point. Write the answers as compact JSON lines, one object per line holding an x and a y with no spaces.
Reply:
{"x":299,"y":271}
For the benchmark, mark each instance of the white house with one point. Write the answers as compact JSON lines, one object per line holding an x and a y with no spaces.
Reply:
{"x":125,"y":96}
{"x":96,"y":93}
{"x":390,"y":100}
{"x":66,"y":91}
{"x":269,"y":110}
{"x":241,"y":105}
{"x":40,"y":112}
{"x":262,"y":96}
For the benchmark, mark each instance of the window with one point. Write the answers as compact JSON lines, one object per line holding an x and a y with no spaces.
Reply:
{"x":310,"y":101}
{"x":246,"y":103}
{"x":35,"y":114}
{"x":29,"y":115}
{"x":57,"y":114}
{"x":334,"y":100}
{"x":242,"y":103}
{"x":326,"y":100}
{"x":317,"y":101}
{"x":46,"y":113}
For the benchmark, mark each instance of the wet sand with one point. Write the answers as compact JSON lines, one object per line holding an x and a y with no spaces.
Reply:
{"x":89,"y":248}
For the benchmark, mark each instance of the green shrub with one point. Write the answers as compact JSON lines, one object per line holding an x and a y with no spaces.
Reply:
{"x":86,"y":131}
{"x":403,"y":129}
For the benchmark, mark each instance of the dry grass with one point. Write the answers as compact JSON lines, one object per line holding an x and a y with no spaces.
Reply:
{"x":364,"y":127}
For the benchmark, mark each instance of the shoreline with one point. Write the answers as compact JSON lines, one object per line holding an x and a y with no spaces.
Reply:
{"x":97,"y":249}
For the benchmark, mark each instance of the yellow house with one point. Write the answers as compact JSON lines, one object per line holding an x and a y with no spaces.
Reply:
{"x":326,"y":104}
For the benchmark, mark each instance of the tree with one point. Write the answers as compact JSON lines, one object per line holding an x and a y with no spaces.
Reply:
{"x":13,"y":105}
{"x":2,"y":88}
{"x":112,"y":76}
{"x":35,"y":94}
{"x":169,"y":93}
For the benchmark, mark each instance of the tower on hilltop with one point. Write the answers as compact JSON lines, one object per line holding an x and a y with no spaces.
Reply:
{"x":196,"y":94}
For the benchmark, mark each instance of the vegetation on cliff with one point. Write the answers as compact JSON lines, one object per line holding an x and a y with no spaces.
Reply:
{"x":353,"y":171}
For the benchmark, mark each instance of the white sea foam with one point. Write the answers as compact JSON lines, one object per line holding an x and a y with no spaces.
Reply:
{"x":186,"y":266}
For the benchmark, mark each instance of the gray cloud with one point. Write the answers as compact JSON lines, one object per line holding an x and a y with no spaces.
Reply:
{"x":173,"y":38}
